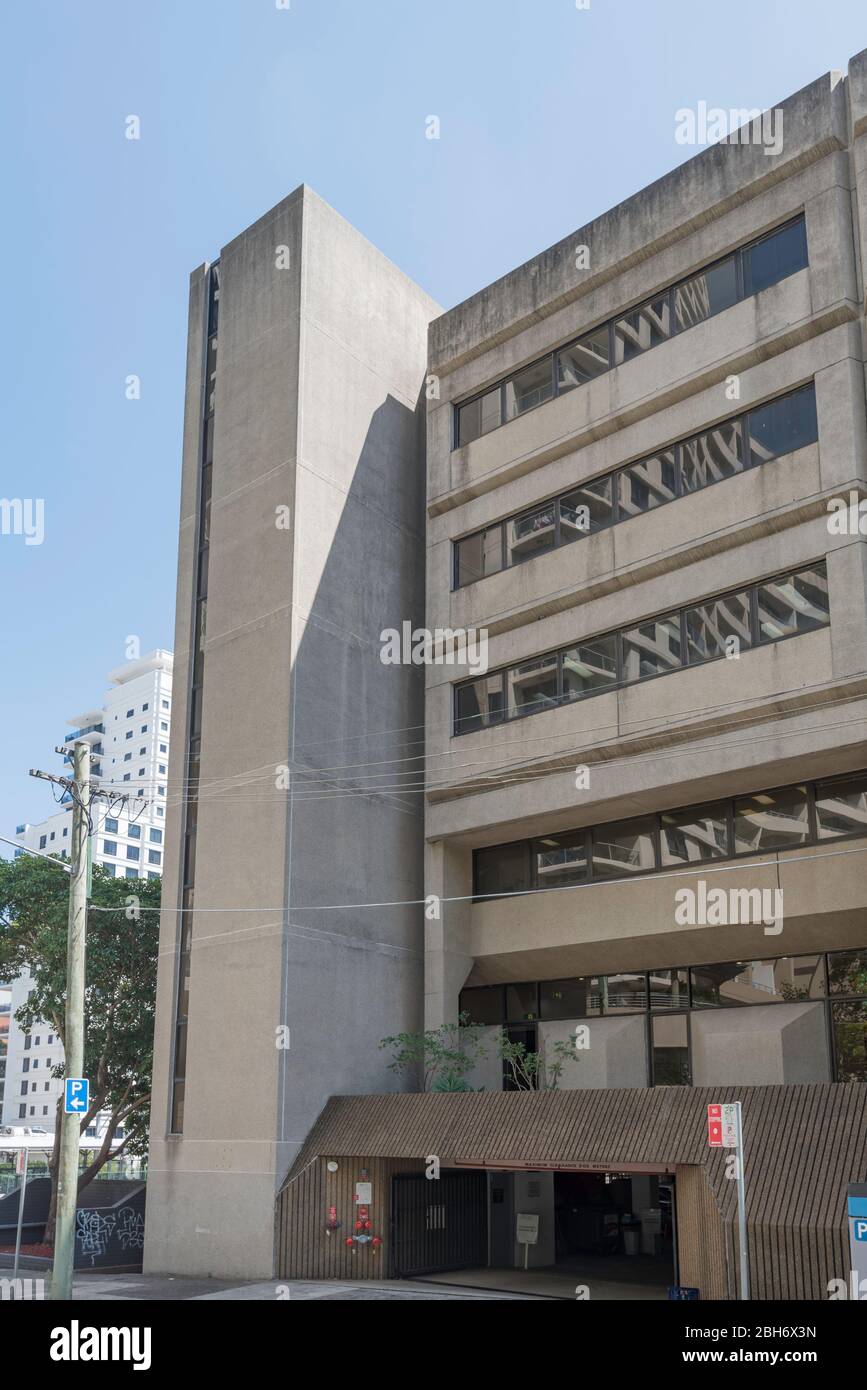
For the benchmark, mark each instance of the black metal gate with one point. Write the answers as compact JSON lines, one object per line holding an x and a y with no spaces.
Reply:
{"x":438,"y":1223}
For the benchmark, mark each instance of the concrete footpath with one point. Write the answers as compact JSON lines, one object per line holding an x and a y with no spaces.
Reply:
{"x":102,"y":1287}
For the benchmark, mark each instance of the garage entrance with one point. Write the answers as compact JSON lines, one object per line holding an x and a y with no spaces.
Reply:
{"x":611,"y":1233}
{"x":438,"y":1225}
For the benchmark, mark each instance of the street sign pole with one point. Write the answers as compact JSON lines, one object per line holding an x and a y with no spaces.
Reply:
{"x":73,"y":1042}
{"x":20,"y":1213}
{"x":742,"y":1204}
{"x":725,"y":1130}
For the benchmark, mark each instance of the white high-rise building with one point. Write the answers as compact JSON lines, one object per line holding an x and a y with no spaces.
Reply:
{"x":129,"y":738}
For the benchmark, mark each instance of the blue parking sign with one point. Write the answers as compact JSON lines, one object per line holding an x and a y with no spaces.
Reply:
{"x":76,"y":1096}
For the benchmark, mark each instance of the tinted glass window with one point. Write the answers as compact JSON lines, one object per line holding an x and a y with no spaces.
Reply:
{"x":579,"y":998}
{"x":691,"y":837}
{"x":502,"y":869}
{"x":586,"y":509}
{"x":482,"y":1005}
{"x":841,"y":807}
{"x":479,"y":703}
{"x":712,"y":456}
{"x":561,"y":860}
{"x":670,"y":1044}
{"x":771,"y":820}
{"x":624,"y":849}
{"x":583,"y":360}
{"x":479,"y":555}
{"x":847,"y":972}
{"x":648,"y":484}
{"x":792,"y":979}
{"x":797,"y":603}
{"x":706,"y":294}
{"x":642,"y":328}
{"x":625,"y":993}
{"x":850,"y":1040}
{"x":532,"y":686}
{"x":592,"y":665}
{"x":711,"y":626}
{"x":529,"y":388}
{"x":780,"y":427}
{"x":669,"y":989}
{"x":521,"y":1003}
{"x":531,"y":533}
{"x":651,"y":648}
{"x":778,"y":255}
{"x":479,"y":416}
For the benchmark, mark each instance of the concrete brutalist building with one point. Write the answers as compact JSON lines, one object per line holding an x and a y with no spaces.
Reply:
{"x":644,"y":822}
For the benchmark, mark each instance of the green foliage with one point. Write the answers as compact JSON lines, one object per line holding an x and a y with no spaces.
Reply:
{"x":531,"y":1071}
{"x":121,"y":981}
{"x":442,"y":1057}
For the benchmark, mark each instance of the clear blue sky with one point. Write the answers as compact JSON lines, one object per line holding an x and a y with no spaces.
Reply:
{"x":549,"y":115}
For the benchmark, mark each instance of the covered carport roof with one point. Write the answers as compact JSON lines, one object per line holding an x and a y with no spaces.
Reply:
{"x":806,"y":1141}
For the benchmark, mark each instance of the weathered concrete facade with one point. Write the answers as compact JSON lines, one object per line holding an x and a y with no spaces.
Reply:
{"x":316,"y":528}
{"x":783,"y":713}
{"x":317,"y":418}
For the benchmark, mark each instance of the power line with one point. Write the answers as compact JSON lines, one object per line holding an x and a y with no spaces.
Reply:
{"x":701,"y":868}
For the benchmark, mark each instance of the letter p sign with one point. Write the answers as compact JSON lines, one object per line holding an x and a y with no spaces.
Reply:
{"x":76,"y":1095}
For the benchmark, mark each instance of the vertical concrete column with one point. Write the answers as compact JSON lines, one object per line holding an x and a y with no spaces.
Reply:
{"x":831,"y":242}
{"x":842,"y":418}
{"x":847,"y":591}
{"x":448,"y":961}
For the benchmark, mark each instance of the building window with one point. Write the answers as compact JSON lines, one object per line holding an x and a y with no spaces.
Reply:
{"x":109,"y":847}
{"x":794,"y":604}
{"x":43,"y":841}
{"x":127,"y":757}
{"x":130,"y":713}
{"x":134,"y":832}
{"x":694,"y":836}
{"x":746,"y":441}
{"x":561,"y":860}
{"x":155,"y":836}
{"x":745,"y":272}
{"x":132,"y":873}
{"x":774,"y":257}
{"x":620,"y":851}
{"x":785,"y":607}
{"x":164,"y":748}
{"x":670,"y":1065}
{"x":764,"y":822}
{"x":771,"y":821}
{"x":582,"y":361}
{"x":154,"y":856}
{"x":129,"y":733}
{"x":133,"y":852}
{"x":164,"y":704}
{"x":503,"y":869}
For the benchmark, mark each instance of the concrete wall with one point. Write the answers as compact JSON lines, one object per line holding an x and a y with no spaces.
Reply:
{"x":320,"y":368}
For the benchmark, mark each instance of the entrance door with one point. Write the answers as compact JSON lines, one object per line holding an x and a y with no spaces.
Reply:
{"x":438,"y":1224}
{"x":502,"y":1221}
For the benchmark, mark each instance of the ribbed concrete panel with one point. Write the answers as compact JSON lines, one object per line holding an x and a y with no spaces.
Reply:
{"x":803,"y":1145}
